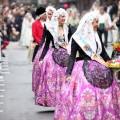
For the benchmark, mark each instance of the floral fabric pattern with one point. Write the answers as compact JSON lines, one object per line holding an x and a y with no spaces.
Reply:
{"x":36,"y":70}
{"x":50,"y":81}
{"x":101,"y":77}
{"x":80,"y":100}
{"x":61,"y":57}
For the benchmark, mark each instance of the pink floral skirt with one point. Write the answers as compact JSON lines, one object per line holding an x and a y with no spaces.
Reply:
{"x":80,"y":99}
{"x":51,"y":78}
{"x":36,"y":70}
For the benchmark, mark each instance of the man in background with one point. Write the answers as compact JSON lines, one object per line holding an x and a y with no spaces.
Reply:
{"x":37,"y":28}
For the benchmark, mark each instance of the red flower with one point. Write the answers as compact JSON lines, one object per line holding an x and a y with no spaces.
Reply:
{"x":118,"y":49}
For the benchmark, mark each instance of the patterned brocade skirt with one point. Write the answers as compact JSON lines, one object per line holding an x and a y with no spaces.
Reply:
{"x":50,"y":79}
{"x":36,"y":70}
{"x":91,"y":94}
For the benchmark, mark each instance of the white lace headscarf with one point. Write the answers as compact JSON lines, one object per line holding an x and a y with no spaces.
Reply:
{"x":54,"y":29}
{"x":85,"y":35}
{"x":50,"y":8}
{"x":48,"y":22}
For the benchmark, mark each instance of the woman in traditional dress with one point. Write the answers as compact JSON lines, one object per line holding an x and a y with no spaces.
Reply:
{"x":36,"y":68}
{"x":26,"y":33}
{"x":89,"y":91}
{"x":53,"y":60}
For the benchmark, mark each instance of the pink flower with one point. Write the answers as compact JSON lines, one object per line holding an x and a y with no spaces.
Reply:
{"x":117,"y":60}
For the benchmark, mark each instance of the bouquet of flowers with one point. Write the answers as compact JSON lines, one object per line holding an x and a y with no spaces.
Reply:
{"x":116,"y":46}
{"x":113,"y":64}
{"x":116,"y":50}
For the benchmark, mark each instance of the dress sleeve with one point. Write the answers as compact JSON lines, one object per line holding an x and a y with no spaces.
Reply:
{"x":43,"y":37}
{"x":45,"y":49}
{"x":104,"y":54}
{"x":69,"y":33}
{"x":74,"y":48}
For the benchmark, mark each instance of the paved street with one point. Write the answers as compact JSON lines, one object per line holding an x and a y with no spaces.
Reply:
{"x":18,"y":97}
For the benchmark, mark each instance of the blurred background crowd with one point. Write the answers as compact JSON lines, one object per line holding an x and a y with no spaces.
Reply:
{"x":16,"y":17}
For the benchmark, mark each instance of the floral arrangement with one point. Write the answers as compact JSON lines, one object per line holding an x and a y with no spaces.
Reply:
{"x":113,"y":64}
{"x":116,"y":46}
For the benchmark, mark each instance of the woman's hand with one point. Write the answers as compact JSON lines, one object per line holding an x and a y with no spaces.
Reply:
{"x":64,"y":45}
{"x":68,"y":78}
{"x":40,"y":62}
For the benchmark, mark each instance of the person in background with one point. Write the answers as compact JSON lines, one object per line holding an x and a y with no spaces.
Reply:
{"x":38,"y":27}
{"x":36,"y":68}
{"x":7,"y":27}
{"x":4,"y":41}
{"x":95,"y":7}
{"x":19,"y":19}
{"x":26,"y":33}
{"x":105,"y":24}
{"x":114,"y":10}
{"x":73,"y":22}
{"x":69,"y":12}
{"x":109,"y":8}
{"x":14,"y":36}
{"x":32,"y":11}
{"x":73,"y":9}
